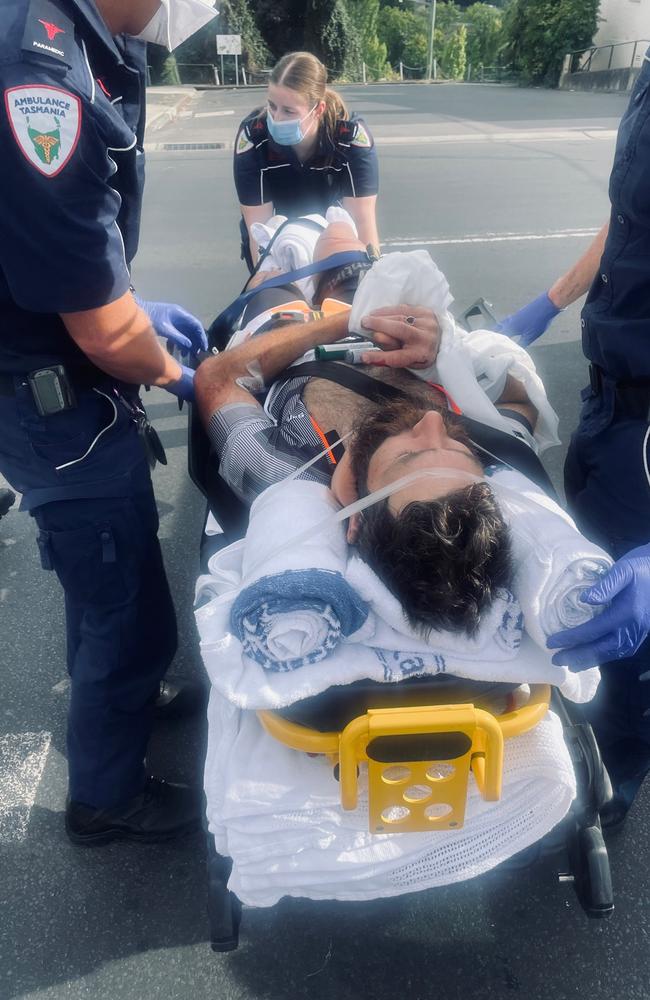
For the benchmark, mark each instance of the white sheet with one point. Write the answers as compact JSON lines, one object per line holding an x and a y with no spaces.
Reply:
{"x":277,"y":813}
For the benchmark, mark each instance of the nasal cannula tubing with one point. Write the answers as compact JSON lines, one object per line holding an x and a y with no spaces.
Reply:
{"x":386,"y":491}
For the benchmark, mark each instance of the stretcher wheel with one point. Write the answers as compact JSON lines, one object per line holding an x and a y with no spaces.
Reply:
{"x":224,"y":908}
{"x":591,"y":871}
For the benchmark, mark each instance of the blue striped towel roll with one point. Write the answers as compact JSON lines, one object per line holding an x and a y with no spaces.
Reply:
{"x":296,"y":617}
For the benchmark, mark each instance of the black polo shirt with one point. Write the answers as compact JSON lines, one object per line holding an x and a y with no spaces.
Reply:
{"x":343,"y":166}
{"x":71,"y":133}
{"x":616,"y":316}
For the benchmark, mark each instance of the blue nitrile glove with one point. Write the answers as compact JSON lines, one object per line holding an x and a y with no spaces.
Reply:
{"x":184,"y":386}
{"x":622,"y":627}
{"x":530,"y":322}
{"x":176,"y":325}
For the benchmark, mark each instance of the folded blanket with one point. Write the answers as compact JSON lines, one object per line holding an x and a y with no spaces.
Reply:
{"x":264,"y":656}
{"x":553,"y":562}
{"x":277,"y":813}
{"x":471,"y":366}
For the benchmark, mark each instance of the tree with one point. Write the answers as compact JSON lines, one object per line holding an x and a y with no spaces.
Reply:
{"x":484,"y":34}
{"x":454,"y":55}
{"x":364,"y":15}
{"x":404,"y":36}
{"x":539,"y":33}
{"x":281,"y":24}
{"x":331,"y":35}
{"x":235,"y":18}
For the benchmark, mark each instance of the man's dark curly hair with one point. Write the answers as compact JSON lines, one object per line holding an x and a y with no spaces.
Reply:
{"x":443,"y":559}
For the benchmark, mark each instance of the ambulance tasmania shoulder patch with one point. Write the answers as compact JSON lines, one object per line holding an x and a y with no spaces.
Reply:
{"x":243,"y":142}
{"x":46,"y":123}
{"x":362,"y":137}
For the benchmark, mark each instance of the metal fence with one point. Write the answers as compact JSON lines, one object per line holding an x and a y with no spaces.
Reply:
{"x":208,"y":74}
{"x":617,"y":55}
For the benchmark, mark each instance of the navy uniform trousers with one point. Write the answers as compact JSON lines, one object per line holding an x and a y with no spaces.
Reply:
{"x":97,"y":529}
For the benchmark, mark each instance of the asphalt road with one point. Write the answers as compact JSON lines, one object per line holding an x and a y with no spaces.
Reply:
{"x":503,"y":186}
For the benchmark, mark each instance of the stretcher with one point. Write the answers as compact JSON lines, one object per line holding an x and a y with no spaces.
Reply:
{"x":420,"y":741}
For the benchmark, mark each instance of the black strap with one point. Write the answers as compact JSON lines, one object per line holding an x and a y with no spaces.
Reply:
{"x":350,"y":378}
{"x":491,"y":442}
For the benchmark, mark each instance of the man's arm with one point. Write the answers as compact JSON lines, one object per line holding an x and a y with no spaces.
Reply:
{"x":255,"y":213}
{"x":364,"y":213}
{"x":120,"y":339}
{"x":260,"y":359}
{"x":578,"y":280}
{"x":515,"y":397}
{"x":533,"y":319}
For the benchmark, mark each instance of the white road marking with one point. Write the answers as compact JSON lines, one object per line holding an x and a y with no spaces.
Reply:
{"x":22,"y":759}
{"x":561,"y":234}
{"x":213,"y":114}
{"x":537,"y":135}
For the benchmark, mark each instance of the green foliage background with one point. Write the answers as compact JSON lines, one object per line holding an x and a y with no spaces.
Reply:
{"x":527,"y":37}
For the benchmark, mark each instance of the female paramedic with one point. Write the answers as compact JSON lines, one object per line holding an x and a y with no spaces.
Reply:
{"x":303,"y":152}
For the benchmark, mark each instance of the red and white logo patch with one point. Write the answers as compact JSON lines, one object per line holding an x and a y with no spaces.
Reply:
{"x":46,"y":123}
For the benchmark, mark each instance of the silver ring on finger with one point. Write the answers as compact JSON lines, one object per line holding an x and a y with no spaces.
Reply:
{"x":410,"y":320}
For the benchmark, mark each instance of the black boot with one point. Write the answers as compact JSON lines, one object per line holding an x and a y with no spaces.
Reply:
{"x":7,"y":500}
{"x":162,"y":811}
{"x":178,"y":699}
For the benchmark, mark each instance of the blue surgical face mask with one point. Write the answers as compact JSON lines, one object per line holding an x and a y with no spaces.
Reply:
{"x":287,"y":133}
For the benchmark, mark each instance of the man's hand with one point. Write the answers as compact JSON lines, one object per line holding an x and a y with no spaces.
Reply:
{"x":409,"y":337}
{"x":178,"y":327}
{"x":622,"y":627}
{"x":530,"y":322}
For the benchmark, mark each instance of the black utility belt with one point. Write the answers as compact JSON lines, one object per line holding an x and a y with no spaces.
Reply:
{"x":632,"y":396}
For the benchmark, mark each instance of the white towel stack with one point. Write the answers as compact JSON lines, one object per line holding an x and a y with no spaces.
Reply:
{"x":276,"y":813}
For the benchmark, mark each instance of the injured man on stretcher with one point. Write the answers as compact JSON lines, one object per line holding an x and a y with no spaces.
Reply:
{"x":460,"y":563}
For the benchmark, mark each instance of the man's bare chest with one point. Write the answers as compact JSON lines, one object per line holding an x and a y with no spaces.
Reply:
{"x":334,"y":407}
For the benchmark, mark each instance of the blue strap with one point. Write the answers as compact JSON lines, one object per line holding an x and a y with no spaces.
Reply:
{"x":227,"y":319}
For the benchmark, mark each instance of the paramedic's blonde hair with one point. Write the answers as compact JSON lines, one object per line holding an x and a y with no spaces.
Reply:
{"x":304,"y":73}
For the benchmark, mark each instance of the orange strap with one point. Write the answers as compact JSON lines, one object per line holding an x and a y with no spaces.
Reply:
{"x":453,"y":406}
{"x":329,"y":453}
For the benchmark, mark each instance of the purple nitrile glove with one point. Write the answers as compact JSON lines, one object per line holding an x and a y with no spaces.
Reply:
{"x":184,"y":386}
{"x":178,"y":327}
{"x":530,"y":322}
{"x":622,"y":627}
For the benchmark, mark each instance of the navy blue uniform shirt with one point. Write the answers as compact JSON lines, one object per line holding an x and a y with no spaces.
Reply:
{"x":71,"y":134}
{"x":343,"y":166}
{"x":616,"y":316}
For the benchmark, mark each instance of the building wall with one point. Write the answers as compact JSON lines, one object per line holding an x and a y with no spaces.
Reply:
{"x":622,"y":21}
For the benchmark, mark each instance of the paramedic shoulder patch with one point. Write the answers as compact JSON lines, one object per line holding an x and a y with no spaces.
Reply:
{"x":46,"y":123}
{"x":362,"y":137}
{"x":48,"y":32}
{"x":243,"y":142}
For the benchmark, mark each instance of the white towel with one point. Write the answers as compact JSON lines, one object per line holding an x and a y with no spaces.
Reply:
{"x":554,"y":563}
{"x":277,"y":813}
{"x":385,"y":648}
{"x":471,"y":366}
